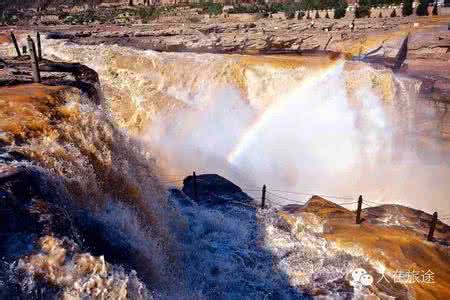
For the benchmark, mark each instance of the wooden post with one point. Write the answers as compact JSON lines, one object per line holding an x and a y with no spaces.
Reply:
{"x":432,"y":226}
{"x":263,"y":197}
{"x":358,"y":212}
{"x":194,"y":186}
{"x":13,"y":37}
{"x":34,"y":60}
{"x":39,"y":47}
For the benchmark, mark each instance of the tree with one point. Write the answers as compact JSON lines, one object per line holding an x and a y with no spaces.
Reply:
{"x":327,"y":16}
{"x":393,"y":13}
{"x":43,"y":4}
{"x":289,"y":11}
{"x":363,"y":9}
{"x":317,"y":16}
{"x":214,"y":9}
{"x":422,"y":8}
{"x":309,"y":4}
{"x":340,"y":7}
{"x":435,"y":10}
{"x":407,"y":8}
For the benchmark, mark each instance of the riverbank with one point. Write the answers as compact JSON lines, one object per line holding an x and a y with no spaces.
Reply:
{"x":376,"y":40}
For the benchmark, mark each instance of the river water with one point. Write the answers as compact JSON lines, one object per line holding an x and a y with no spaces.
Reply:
{"x":303,"y":125}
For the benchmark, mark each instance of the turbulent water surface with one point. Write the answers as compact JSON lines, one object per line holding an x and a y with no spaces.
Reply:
{"x":300,"y":125}
{"x":309,"y":125}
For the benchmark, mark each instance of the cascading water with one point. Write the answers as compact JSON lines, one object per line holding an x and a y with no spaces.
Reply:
{"x":314,"y":125}
{"x":318,"y":126}
{"x":93,"y":175}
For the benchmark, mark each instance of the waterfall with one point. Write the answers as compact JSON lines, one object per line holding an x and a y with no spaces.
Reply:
{"x":99,"y":198}
{"x":316,"y":126}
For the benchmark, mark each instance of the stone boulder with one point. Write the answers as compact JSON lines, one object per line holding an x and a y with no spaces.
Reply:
{"x":214,"y":189}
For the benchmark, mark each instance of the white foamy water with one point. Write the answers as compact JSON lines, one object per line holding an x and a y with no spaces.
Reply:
{"x":343,"y":130}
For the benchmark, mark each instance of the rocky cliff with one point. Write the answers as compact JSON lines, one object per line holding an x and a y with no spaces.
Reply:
{"x":375,"y":40}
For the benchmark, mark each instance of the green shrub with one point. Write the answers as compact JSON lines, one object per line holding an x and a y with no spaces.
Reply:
{"x":276,"y":7}
{"x":210,"y":8}
{"x":214,"y":9}
{"x":245,"y":9}
{"x":290,"y":9}
{"x":422,"y":8}
{"x":407,"y":8}
{"x":313,"y":4}
{"x":363,"y":9}
{"x":435,"y":10}
{"x":340,"y":8}
{"x":147,"y":13}
{"x":6,"y":19}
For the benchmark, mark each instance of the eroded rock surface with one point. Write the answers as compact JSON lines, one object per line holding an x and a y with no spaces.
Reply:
{"x":391,"y":238}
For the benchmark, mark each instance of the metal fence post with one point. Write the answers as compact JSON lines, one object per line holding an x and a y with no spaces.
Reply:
{"x":13,"y":37}
{"x":34,"y":60}
{"x":39,"y":47}
{"x":194,"y":186}
{"x":358,"y":212}
{"x":432,"y":226}
{"x":263,"y":197}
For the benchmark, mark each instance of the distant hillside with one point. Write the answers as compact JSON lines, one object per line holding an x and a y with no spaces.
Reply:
{"x":8,"y":4}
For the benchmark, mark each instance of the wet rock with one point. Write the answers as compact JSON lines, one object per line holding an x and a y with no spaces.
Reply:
{"x":60,"y":35}
{"x":23,"y":213}
{"x":391,"y":237}
{"x":214,"y":189}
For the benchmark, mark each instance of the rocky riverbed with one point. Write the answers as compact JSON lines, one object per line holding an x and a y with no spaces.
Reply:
{"x":376,"y":40}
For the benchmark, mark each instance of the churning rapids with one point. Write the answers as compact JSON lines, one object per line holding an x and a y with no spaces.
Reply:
{"x":314,"y":125}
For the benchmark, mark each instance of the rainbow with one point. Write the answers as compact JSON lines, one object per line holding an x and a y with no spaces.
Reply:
{"x":269,"y":114}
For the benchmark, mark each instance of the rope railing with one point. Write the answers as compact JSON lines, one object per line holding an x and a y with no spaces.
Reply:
{"x":276,"y":199}
{"x":373,"y":202}
{"x":347,"y":203}
{"x":251,"y":190}
{"x":271,"y":202}
{"x":367,"y":205}
{"x":284,"y":198}
{"x":312,"y":194}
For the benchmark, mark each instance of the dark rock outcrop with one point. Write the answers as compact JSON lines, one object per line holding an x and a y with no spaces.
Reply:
{"x":17,"y":70}
{"x":214,"y":189}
